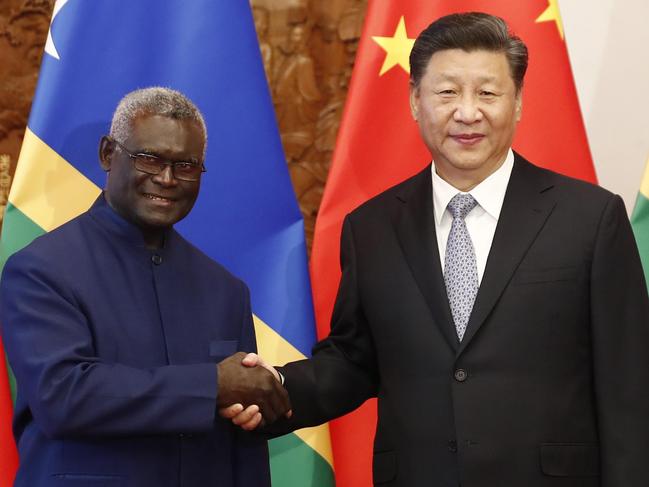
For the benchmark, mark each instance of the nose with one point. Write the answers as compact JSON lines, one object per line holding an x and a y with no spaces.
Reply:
{"x":467,"y":110}
{"x":165,"y":177}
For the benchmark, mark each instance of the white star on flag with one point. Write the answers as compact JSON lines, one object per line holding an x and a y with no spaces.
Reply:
{"x":50,"y":48}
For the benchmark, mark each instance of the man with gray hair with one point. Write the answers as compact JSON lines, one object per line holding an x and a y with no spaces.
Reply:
{"x":121,"y":333}
{"x":497,"y":310}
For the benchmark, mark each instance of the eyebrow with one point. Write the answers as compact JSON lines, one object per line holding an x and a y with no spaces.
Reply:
{"x":452,"y":77}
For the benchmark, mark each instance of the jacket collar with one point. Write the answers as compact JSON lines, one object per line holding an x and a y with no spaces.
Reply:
{"x":527,"y":205}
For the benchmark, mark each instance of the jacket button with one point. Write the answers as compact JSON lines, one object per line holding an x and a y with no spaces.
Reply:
{"x":156,"y":259}
{"x":460,"y":375}
{"x":452,"y":446}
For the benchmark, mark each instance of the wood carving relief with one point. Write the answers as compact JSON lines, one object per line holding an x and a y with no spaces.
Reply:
{"x":5,"y":182}
{"x":23,"y":31}
{"x":308,"y":48}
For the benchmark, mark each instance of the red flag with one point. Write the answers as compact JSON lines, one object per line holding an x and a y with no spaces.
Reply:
{"x":8,"y":453}
{"x":379,"y":146}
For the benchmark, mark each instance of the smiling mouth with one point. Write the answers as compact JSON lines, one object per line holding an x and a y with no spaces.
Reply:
{"x":155,"y":197}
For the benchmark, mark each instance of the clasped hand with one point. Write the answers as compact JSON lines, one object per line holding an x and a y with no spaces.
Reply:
{"x":250,"y":393}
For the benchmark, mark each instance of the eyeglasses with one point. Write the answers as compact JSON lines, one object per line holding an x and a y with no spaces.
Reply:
{"x":151,"y":164}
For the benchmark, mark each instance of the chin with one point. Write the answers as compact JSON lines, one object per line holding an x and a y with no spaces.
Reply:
{"x":157,"y":221}
{"x":467,"y":164}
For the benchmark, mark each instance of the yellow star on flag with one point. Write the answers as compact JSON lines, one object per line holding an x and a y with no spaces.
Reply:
{"x":552,"y":14}
{"x":397,"y":48}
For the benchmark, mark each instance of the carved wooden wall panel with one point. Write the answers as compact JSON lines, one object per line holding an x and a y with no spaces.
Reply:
{"x":23,"y":31}
{"x":308,"y":48}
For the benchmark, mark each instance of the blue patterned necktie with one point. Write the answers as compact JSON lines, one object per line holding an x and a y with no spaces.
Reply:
{"x":460,"y":271}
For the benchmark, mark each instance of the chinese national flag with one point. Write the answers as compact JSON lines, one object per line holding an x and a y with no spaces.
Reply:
{"x":379,"y":146}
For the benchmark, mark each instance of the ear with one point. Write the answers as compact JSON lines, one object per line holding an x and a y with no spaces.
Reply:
{"x":414,"y":100}
{"x":106,"y":151}
{"x":519,"y":105}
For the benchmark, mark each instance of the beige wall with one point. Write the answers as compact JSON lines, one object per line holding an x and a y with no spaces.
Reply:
{"x":608,"y":42}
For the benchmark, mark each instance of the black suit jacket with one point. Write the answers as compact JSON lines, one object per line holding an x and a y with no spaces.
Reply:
{"x":549,"y":386}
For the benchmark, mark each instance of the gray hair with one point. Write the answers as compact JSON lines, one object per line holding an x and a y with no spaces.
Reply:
{"x":155,"y":100}
{"x":469,"y":31}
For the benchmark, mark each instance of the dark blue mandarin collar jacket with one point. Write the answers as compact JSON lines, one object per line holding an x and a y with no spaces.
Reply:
{"x":114,"y":347}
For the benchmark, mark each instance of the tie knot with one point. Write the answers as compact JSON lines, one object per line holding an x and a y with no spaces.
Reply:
{"x":461,"y":205}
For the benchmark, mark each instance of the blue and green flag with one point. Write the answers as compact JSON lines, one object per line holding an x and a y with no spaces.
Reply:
{"x":246,"y":216}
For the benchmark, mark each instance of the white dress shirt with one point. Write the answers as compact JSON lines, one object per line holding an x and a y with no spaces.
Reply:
{"x":482,"y":220}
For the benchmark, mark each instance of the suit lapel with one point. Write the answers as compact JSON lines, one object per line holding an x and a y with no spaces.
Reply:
{"x":528,"y":203}
{"x":415,"y":226}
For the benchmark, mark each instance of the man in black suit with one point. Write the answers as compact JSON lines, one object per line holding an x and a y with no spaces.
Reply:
{"x":496,"y":309}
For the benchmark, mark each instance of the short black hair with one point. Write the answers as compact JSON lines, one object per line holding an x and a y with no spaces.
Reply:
{"x":469,"y":31}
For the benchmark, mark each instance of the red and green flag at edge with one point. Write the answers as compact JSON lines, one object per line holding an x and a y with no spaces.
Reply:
{"x":8,"y":453}
{"x":640,"y":222}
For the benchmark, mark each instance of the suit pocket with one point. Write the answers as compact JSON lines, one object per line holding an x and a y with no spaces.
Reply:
{"x":570,"y":459}
{"x":384,"y":467}
{"x":87,"y":480}
{"x":221,"y":349}
{"x":530,"y":276}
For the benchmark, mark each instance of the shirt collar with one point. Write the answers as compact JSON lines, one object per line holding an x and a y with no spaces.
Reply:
{"x":490,"y":193}
{"x":112,"y":221}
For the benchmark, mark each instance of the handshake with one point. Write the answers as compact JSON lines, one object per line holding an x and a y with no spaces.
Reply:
{"x":250,"y":392}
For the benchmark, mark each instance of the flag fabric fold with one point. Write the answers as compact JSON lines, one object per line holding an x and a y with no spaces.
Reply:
{"x":246,"y":216}
{"x":378,"y":146}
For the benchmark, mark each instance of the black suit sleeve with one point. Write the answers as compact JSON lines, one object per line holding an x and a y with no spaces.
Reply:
{"x":619,"y":309}
{"x":342,"y":373}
